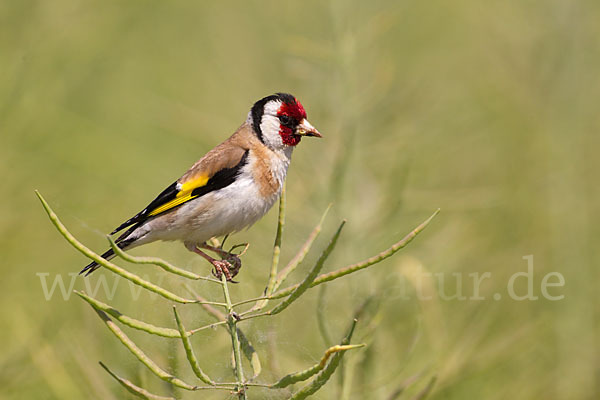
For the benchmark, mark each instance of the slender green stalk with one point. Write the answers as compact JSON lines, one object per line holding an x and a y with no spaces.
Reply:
{"x":326,"y":373}
{"x":277,"y":244}
{"x":107,"y":264}
{"x":135,"y":390}
{"x":360,"y":265}
{"x":307,"y":373}
{"x":306,"y":283}
{"x":299,"y":257}
{"x":253,"y":300}
{"x":245,"y":317}
{"x":137,"y":324}
{"x":131,"y":322}
{"x":189,"y":351}
{"x":140,"y":355}
{"x":249,"y":351}
{"x":209,"y":326}
{"x":218,"y":315}
{"x":320,"y":372}
{"x":213,"y":312}
{"x":289,"y":268}
{"x":276,"y":253}
{"x":158,"y":262}
{"x":235,"y":342}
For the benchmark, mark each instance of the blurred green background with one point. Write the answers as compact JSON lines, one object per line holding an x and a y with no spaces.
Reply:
{"x":488,"y":110}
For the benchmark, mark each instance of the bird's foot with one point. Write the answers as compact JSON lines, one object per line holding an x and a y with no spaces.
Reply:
{"x":230,"y":262}
{"x":224,"y":267}
{"x":235,"y":263}
{"x":228,"y":266}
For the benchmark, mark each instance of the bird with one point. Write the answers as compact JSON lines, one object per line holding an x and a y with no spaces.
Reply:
{"x":228,"y":189}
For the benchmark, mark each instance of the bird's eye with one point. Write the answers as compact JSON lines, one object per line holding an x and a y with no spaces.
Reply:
{"x":285,"y":119}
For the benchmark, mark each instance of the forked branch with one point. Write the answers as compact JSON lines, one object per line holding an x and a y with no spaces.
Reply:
{"x":317,"y":375}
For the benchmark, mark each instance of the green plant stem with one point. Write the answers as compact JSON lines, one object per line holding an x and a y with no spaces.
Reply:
{"x":158,"y":262}
{"x":209,"y":326}
{"x":307,"y":373}
{"x":276,"y":253}
{"x":131,"y":322}
{"x":135,"y":390}
{"x":247,"y":348}
{"x":244,"y":317}
{"x":139,"y":354}
{"x":342,"y":271}
{"x":253,"y":300}
{"x":330,"y":276}
{"x":235,"y":342}
{"x":306,"y":283}
{"x":262,"y":301}
{"x":320,"y":372}
{"x":107,"y":264}
{"x":277,"y":244}
{"x":299,"y":257}
{"x":326,"y":373}
{"x":189,"y":351}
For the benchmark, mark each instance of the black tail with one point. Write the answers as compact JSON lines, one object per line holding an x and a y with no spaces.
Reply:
{"x":109,"y":254}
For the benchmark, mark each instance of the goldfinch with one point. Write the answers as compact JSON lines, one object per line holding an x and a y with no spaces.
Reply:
{"x":228,"y":189}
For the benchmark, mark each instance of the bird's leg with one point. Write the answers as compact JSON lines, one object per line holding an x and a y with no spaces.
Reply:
{"x":235,"y":263}
{"x":221,"y":266}
{"x":218,"y":250}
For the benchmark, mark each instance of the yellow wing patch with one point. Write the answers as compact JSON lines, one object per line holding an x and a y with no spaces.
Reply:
{"x":184,"y":194}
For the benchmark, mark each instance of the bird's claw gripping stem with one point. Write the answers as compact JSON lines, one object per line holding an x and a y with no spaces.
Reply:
{"x":224,"y":267}
{"x":229,"y":265}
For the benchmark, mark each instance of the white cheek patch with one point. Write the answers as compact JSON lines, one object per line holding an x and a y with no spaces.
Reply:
{"x":269,"y":124}
{"x":272,"y":107}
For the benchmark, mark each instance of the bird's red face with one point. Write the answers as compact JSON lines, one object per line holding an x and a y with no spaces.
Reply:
{"x":290,"y":114}
{"x":293,"y":123}
{"x":280,"y":121}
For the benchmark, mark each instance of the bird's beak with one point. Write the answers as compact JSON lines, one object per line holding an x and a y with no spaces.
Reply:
{"x":306,"y":129}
